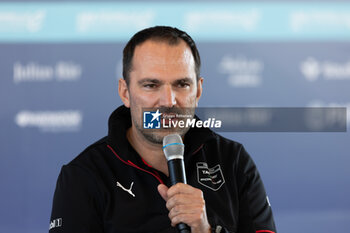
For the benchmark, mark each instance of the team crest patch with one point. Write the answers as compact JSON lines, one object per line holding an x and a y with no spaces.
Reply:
{"x":211,"y":178}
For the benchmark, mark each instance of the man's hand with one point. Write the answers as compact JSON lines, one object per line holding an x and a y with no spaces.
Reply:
{"x":186,"y":204}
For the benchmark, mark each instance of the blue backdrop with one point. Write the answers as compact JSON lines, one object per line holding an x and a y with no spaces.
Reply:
{"x":59,"y":65}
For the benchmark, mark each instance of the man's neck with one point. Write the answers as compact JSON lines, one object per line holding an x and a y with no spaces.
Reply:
{"x":149,"y":152}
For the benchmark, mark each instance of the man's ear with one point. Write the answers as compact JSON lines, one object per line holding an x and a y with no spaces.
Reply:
{"x":199,"y":90}
{"x":124,"y":92}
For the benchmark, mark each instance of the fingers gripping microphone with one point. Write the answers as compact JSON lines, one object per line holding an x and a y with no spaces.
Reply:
{"x":174,"y":152}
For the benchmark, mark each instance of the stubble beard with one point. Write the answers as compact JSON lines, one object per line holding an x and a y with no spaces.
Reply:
{"x":155,"y":136}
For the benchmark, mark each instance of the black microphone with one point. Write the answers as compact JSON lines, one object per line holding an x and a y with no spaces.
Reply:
{"x":174,"y":152}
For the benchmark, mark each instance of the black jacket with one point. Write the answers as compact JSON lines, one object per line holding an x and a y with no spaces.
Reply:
{"x":109,"y":188}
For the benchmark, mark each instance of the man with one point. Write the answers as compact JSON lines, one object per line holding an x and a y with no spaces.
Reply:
{"x":121,"y":184}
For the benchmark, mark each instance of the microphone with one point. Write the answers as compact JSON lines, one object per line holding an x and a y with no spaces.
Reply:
{"x":174,"y":152}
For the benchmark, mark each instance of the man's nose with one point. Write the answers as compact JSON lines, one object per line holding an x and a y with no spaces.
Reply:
{"x":167,"y":97}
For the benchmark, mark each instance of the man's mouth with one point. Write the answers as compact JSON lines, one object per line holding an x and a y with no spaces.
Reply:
{"x":168,"y":117}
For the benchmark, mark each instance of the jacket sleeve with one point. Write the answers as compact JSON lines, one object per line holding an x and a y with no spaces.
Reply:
{"x":255,"y":214}
{"x":76,"y":207}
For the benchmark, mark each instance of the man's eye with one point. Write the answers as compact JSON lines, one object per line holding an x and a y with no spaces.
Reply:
{"x":183,"y":84}
{"x":150,"y":85}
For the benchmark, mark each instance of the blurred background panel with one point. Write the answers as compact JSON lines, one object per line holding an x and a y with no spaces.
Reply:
{"x":59,"y":66}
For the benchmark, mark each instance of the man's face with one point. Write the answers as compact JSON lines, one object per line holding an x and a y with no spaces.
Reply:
{"x":162,"y":76}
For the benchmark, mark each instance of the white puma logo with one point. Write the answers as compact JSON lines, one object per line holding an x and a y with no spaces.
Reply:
{"x":127,"y":190}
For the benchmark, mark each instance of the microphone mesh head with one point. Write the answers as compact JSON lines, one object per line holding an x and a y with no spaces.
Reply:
{"x":173,"y":147}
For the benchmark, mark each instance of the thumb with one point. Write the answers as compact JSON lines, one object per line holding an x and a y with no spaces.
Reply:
{"x":162,"y":189}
